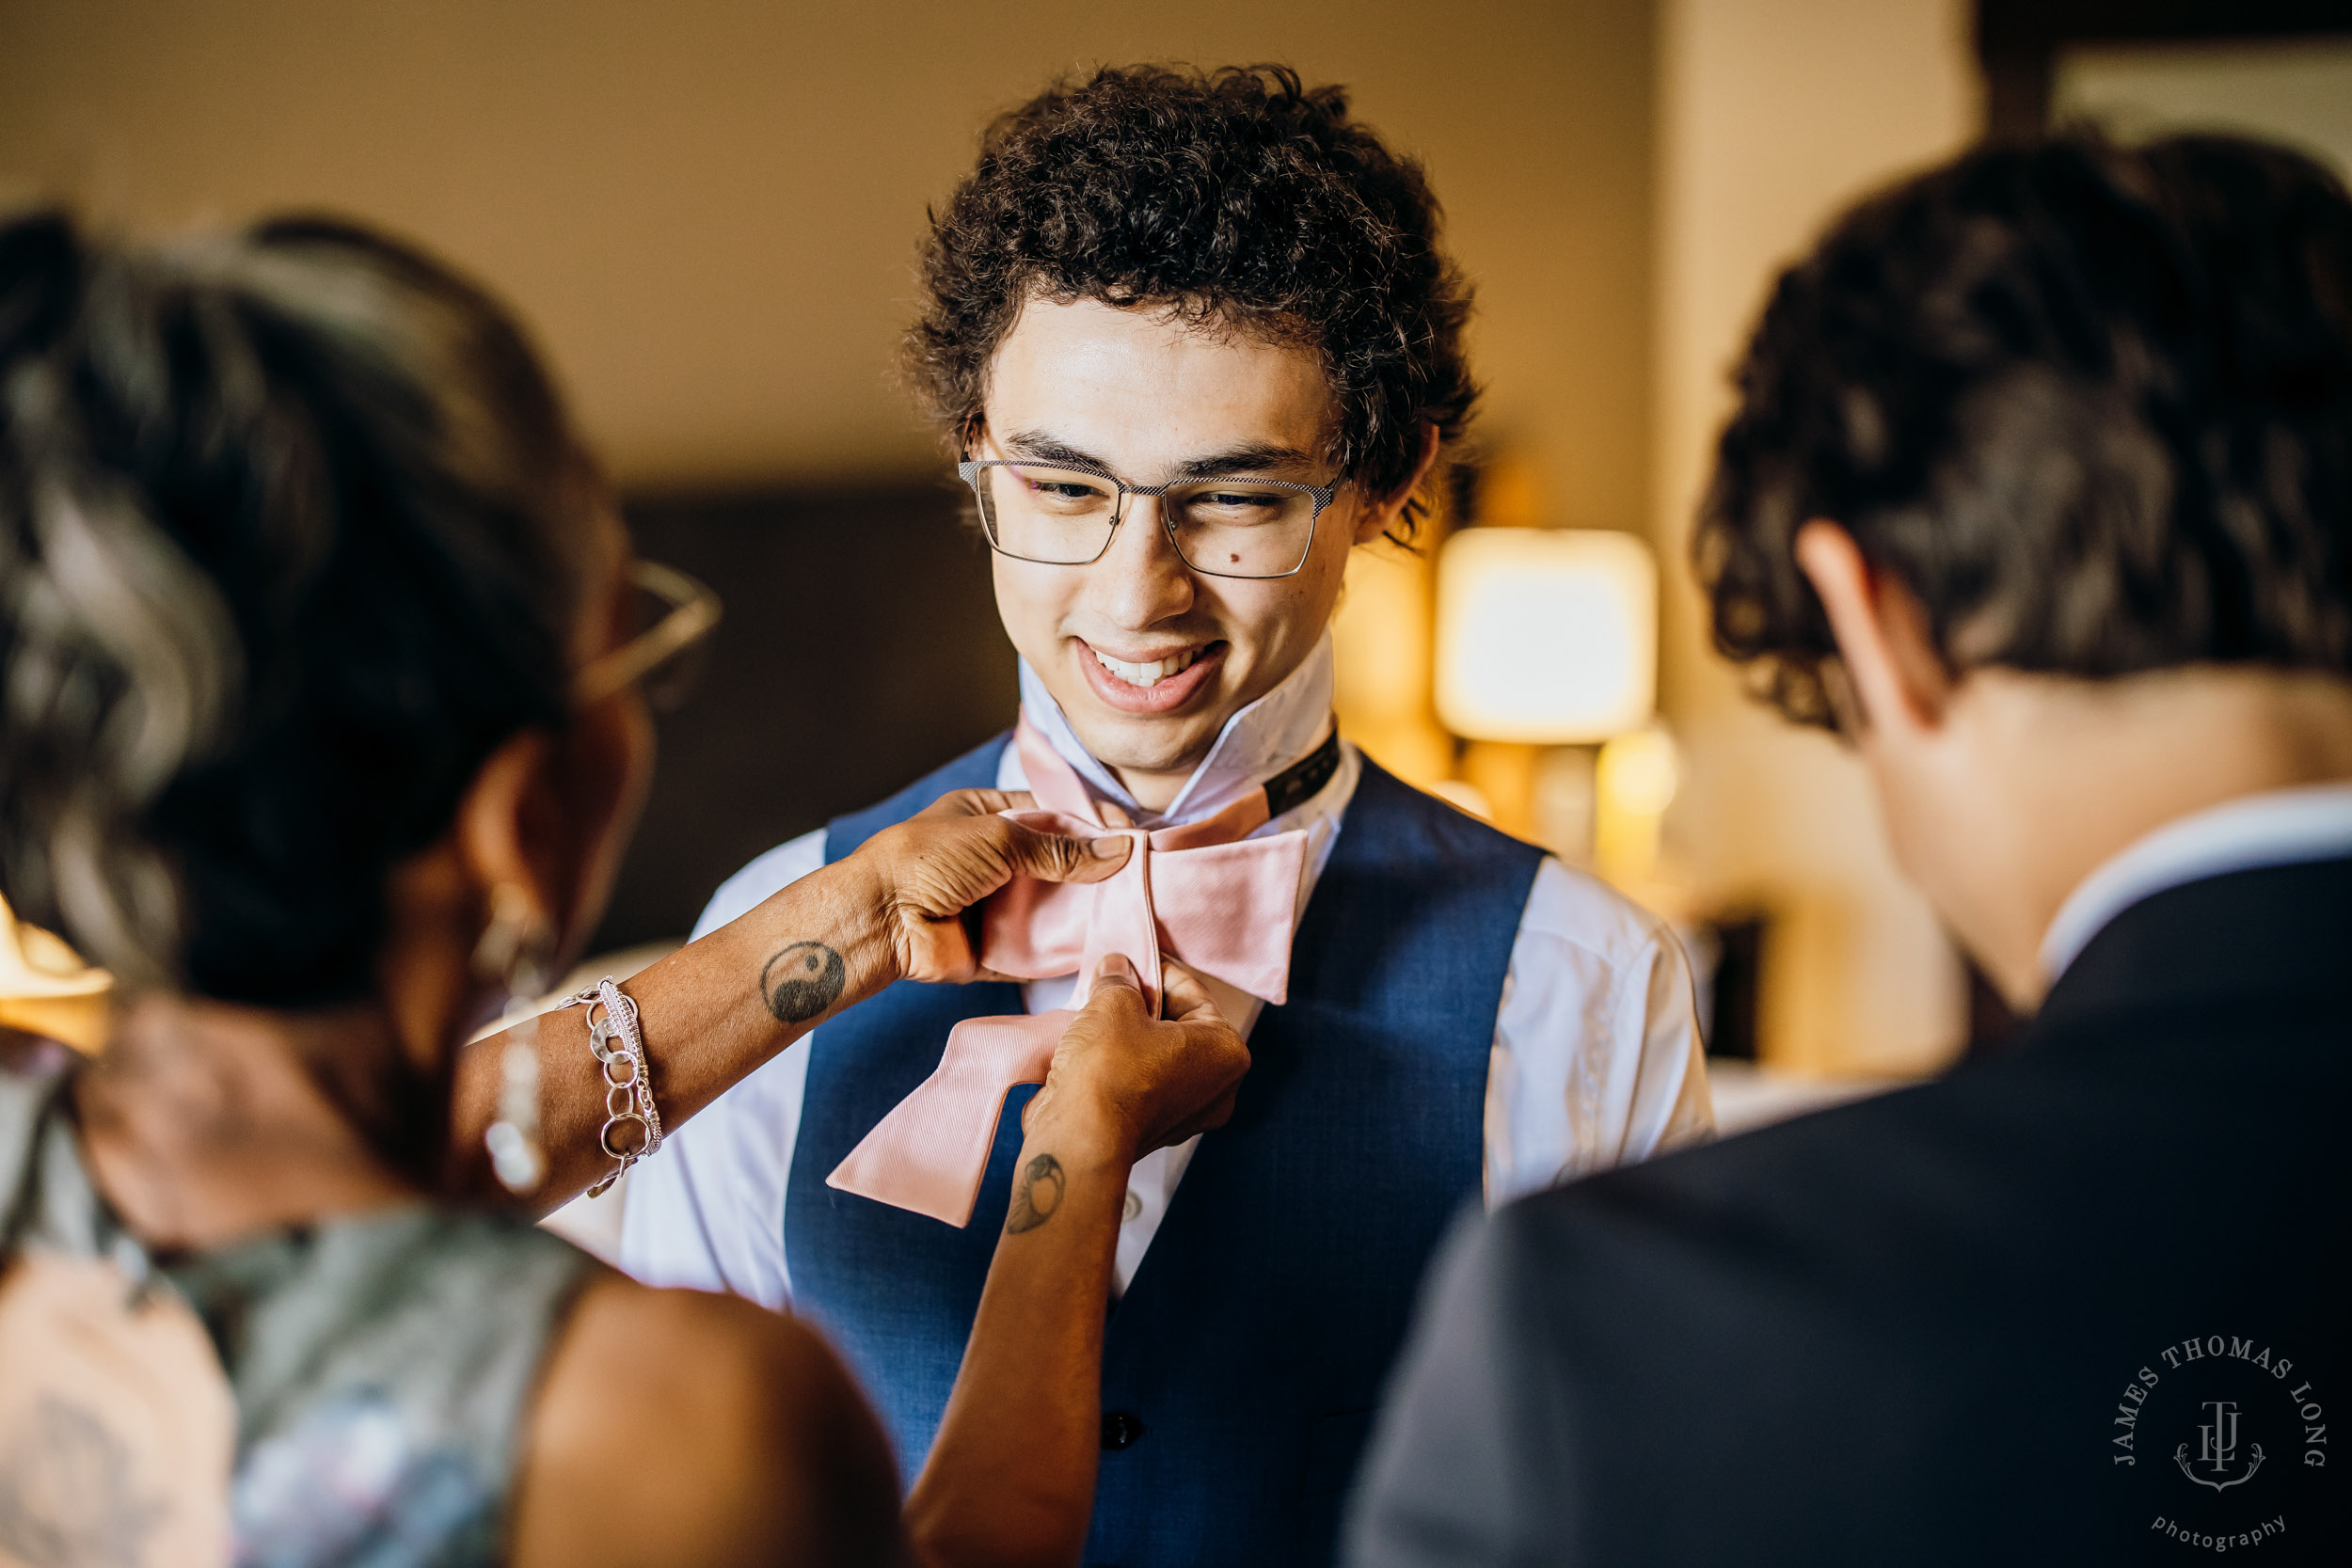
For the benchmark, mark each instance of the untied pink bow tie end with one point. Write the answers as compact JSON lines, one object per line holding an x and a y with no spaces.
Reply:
{"x":1203,"y":893}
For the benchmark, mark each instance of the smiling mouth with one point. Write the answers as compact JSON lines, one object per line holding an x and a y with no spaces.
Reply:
{"x":1147,"y":676}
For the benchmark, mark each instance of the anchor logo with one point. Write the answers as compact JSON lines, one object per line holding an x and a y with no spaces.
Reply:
{"x":2216,"y":1450}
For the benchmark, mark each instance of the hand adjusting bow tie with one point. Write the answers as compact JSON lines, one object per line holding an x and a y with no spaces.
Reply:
{"x":1204,"y":893}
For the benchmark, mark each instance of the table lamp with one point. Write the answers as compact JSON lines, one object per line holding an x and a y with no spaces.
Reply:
{"x":1546,"y":637}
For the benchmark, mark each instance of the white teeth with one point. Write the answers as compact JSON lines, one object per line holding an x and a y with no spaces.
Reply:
{"x":1152,"y":674}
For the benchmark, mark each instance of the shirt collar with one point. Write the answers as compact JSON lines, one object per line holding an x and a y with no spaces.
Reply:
{"x":1256,"y":743}
{"x":2279,"y":827}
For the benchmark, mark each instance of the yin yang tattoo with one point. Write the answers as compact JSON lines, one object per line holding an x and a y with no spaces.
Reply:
{"x":802,"y":982}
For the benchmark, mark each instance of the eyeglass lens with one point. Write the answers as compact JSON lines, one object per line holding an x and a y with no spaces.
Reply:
{"x":1235,"y":528}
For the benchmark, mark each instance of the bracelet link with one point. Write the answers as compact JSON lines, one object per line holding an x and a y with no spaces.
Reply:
{"x":619,"y":1047}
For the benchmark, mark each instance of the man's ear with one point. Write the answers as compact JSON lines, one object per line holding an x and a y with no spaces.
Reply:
{"x":1892,"y":669}
{"x":1380,"y":515}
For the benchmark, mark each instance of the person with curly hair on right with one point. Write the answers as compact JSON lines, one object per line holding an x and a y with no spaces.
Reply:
{"x":2040,"y":494}
{"x":1190,"y":339}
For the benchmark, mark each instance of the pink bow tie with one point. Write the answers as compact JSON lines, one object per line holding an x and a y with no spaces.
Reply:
{"x":1203,"y":893}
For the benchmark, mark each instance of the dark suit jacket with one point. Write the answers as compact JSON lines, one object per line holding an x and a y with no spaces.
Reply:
{"x":2046,"y":1310}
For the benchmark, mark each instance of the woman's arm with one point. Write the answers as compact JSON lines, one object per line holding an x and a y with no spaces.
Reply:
{"x":1010,"y":1477}
{"x":718,"y":1009}
{"x":673,"y":1426}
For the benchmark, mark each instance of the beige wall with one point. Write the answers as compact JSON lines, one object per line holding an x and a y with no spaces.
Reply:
{"x":707,"y":207}
{"x":1773,"y":113}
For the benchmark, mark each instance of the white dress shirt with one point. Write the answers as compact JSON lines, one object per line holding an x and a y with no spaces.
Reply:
{"x":1597,"y":1059}
{"x":2279,"y":827}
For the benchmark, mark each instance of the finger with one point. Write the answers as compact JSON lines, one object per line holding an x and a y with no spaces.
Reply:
{"x":1060,"y":858}
{"x":1182,"y":997}
{"x":1207,"y":1119}
{"x":1215,"y":1040}
{"x":978,"y":802}
{"x":1116,"y":986}
{"x":1218,"y":1113}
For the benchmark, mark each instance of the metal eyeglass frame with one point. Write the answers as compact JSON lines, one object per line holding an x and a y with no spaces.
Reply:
{"x":694,"y":612}
{"x":969,"y":471}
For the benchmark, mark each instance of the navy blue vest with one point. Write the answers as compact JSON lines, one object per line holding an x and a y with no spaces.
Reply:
{"x":1242,"y":1365}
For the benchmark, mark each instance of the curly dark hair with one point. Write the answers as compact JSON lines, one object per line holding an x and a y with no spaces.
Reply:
{"x":293,"y":536}
{"x":1238,"y":195}
{"x":2092,"y":405}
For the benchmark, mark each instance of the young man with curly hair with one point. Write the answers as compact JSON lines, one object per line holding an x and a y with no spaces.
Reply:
{"x":1193,"y":339}
{"x":2039,"y":491}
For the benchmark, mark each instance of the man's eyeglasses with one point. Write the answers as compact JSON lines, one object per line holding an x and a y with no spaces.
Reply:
{"x":671,"y":617}
{"x":1064,"y":516}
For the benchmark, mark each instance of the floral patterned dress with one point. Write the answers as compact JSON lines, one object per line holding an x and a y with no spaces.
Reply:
{"x":382,"y":1368}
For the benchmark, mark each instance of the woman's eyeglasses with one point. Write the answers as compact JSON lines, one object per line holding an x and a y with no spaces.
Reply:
{"x":673,"y":616}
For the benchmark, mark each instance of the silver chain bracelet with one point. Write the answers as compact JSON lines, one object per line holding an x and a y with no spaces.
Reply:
{"x":628,"y":1084}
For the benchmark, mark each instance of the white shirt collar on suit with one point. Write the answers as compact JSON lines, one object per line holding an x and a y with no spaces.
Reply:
{"x":2281,"y":827}
{"x":1255,"y":744}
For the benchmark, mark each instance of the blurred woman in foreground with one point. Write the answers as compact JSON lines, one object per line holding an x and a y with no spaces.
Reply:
{"x":321,"y":727}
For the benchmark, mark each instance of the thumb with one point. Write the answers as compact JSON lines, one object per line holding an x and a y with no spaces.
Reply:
{"x":1062,"y":858}
{"x":1116,"y":984}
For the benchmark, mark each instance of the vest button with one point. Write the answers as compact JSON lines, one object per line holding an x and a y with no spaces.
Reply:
{"x":1120,"y":1430}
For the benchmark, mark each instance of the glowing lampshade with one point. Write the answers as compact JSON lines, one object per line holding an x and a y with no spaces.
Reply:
{"x":1548,"y":636}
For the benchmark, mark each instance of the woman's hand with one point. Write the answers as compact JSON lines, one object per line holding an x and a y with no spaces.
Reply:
{"x":1140,"y":1081}
{"x":718,"y":1007}
{"x":918,"y":878}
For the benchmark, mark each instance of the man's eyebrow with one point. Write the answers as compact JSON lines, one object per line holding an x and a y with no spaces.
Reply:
{"x":1256,"y":457}
{"x":1038,"y":447}
{"x":1252,"y":457}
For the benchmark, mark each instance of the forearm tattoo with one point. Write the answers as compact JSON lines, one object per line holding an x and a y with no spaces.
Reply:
{"x":802,"y":982}
{"x":1036,"y":1195}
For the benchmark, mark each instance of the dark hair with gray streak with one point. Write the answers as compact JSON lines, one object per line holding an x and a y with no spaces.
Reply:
{"x":2092,"y":405}
{"x":290,"y":542}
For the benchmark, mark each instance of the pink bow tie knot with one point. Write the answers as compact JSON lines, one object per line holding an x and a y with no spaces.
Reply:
{"x":1203,"y":893}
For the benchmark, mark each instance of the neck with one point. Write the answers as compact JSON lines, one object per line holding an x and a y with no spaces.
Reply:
{"x":1256,"y":739}
{"x":2087,"y":769}
{"x":1155,"y":789}
{"x":205,"y":1122}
